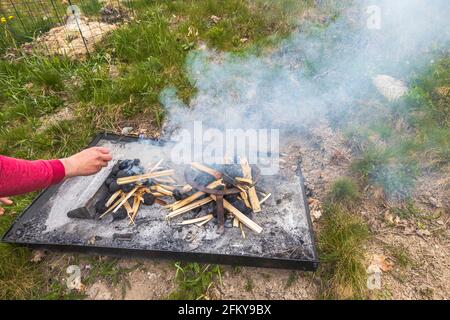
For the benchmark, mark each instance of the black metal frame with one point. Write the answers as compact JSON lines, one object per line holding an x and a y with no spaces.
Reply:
{"x":244,"y":260}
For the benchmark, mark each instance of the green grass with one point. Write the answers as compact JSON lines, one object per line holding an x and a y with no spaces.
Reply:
{"x":194,"y":280}
{"x":249,"y":285}
{"x":401,"y":256}
{"x":29,"y":19}
{"x":411,"y":137}
{"x":90,"y":7}
{"x":292,"y":279}
{"x":344,"y":191}
{"x":19,"y":279}
{"x":407,"y":211}
{"x":341,"y":250}
{"x":149,"y":54}
{"x":108,"y":270}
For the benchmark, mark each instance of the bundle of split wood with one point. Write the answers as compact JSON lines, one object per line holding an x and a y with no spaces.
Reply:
{"x":240,"y":207}
{"x":129,"y":190}
{"x":158,"y":185}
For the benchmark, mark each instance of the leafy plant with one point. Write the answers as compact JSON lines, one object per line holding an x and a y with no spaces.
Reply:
{"x":194,"y":280}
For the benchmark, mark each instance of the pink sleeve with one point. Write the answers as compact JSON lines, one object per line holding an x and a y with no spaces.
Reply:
{"x":22,"y":176}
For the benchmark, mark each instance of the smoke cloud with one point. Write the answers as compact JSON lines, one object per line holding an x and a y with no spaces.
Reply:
{"x":321,"y":69}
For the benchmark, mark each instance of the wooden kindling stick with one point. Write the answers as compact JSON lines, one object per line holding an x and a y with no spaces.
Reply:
{"x":247,"y":171}
{"x":113,"y":206}
{"x":200,"y":219}
{"x":131,"y":179}
{"x":189,"y":207}
{"x":201,"y":167}
{"x":126,"y":198}
{"x":112,"y":198}
{"x":195,"y":196}
{"x":240,"y":216}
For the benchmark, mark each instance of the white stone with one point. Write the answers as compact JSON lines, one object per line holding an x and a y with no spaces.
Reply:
{"x":391,"y":88}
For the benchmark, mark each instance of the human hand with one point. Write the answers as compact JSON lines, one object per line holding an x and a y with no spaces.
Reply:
{"x":6,"y":201}
{"x":86,"y":162}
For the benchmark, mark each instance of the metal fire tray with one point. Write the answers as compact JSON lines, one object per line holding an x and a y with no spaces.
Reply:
{"x":287,"y":239}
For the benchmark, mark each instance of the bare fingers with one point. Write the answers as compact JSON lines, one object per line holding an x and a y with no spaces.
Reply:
{"x":6,"y":201}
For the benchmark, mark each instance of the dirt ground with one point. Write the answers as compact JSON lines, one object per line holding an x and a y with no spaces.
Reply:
{"x":324,"y":157}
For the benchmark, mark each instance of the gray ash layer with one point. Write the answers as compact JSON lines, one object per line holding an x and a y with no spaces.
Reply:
{"x":285,"y":234}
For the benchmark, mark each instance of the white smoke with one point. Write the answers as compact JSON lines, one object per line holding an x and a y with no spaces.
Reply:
{"x":316,"y":71}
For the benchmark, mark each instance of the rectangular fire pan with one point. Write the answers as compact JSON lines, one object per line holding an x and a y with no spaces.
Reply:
{"x":287,"y":240}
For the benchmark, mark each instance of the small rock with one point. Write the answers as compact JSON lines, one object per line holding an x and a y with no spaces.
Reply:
{"x":316,"y":214}
{"x":127,"y":130}
{"x":93,"y":240}
{"x":38,"y":255}
{"x":390,"y":218}
{"x":99,"y":291}
{"x":423,"y":232}
{"x":214,"y":18}
{"x":111,"y":14}
{"x":434,"y":202}
{"x":74,"y":279}
{"x":391,"y":88}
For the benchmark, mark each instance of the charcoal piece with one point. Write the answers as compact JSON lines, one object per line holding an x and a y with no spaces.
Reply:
{"x":242,"y":208}
{"x":115,"y":169}
{"x":231,"y":170}
{"x":127,"y":187}
{"x":79,"y":213}
{"x":123,"y":173}
{"x":228,"y":223}
{"x":149,"y":199}
{"x":100,"y":206}
{"x":113,"y":187}
{"x":178,"y":195}
{"x":109,"y":181}
{"x":120,"y":214}
{"x":234,"y":171}
{"x":135,"y":170}
{"x":204,"y":179}
{"x":124,"y":164}
{"x":210,"y":207}
{"x":148,"y":183}
{"x":123,"y":236}
{"x":231,"y":198}
{"x":197,"y":210}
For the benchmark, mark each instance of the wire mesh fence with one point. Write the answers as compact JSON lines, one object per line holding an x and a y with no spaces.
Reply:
{"x":66,"y":27}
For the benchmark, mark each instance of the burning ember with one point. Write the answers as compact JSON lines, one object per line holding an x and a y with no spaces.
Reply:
{"x":225,"y":192}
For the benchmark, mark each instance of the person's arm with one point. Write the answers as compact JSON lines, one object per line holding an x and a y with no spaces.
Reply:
{"x":22,"y":176}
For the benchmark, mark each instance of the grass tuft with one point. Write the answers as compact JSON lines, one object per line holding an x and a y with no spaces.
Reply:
{"x":344,"y":191}
{"x":341,"y":242}
{"x":194,"y":281}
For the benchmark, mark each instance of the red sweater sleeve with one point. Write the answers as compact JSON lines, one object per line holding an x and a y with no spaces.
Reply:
{"x":22,"y":176}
